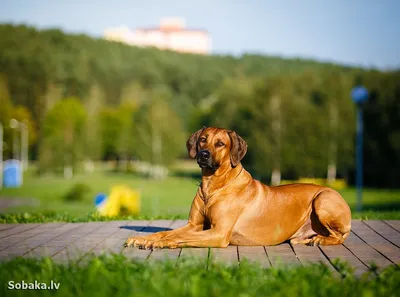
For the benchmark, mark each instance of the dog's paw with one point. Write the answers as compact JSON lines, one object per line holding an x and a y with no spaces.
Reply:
{"x":136,"y":241}
{"x":316,"y":241}
{"x":312,"y":243}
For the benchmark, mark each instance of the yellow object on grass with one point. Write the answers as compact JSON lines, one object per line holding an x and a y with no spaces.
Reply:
{"x":121,"y":201}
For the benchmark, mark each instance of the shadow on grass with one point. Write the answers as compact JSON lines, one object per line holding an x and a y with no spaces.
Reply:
{"x":147,"y":229}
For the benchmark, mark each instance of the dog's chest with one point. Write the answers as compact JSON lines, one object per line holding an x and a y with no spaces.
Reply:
{"x":211,"y":214}
{"x":208,"y":192}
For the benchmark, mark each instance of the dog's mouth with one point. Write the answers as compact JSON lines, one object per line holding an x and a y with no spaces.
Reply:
{"x":204,"y":164}
{"x":207,"y":164}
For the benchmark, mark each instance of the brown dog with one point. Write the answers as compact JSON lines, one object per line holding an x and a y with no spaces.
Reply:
{"x":230,"y":207}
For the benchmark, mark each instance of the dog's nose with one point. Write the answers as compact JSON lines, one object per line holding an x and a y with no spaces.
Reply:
{"x":205,"y":155}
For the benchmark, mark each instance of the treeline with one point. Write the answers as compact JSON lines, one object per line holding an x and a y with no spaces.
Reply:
{"x":86,"y":98}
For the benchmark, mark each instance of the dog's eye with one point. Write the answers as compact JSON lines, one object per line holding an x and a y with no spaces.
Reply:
{"x":203,"y":140}
{"x":220,"y":143}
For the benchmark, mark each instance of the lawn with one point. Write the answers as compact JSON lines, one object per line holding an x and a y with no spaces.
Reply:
{"x":168,"y":198}
{"x":115,"y":276}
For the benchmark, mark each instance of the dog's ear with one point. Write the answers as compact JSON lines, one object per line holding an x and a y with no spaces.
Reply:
{"x":191,"y":144}
{"x":238,"y":148}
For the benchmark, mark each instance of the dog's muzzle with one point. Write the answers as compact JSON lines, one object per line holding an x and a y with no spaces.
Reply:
{"x":204,"y":159}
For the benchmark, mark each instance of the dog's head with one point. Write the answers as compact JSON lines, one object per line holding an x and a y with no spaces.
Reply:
{"x":213,"y":147}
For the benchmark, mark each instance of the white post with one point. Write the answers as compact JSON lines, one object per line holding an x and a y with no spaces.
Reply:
{"x":1,"y":156}
{"x":24,"y":146}
{"x":14,"y":124}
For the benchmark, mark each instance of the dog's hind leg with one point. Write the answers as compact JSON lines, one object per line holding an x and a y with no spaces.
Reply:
{"x":304,"y":234}
{"x":330,"y":219}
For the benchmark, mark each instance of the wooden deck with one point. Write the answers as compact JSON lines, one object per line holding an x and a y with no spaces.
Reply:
{"x":370,"y":242}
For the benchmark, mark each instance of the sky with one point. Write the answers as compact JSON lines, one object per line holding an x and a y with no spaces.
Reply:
{"x":353,"y":32}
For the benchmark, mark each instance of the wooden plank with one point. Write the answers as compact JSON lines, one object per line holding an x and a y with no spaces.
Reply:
{"x":370,"y":241}
{"x":194,"y":254}
{"x":168,"y":254}
{"x":178,"y":224}
{"x":80,"y":247}
{"x":254,"y":254}
{"x":165,"y":254}
{"x":20,"y":238}
{"x":282,"y":255}
{"x":395,"y":224}
{"x":110,"y":243}
{"x":78,"y":233}
{"x":385,"y":230}
{"x":28,"y":244}
{"x":40,"y":241}
{"x":228,"y":255}
{"x":335,"y":252}
{"x":198,"y":253}
{"x":62,"y":240}
{"x":42,"y":251}
{"x":4,"y":227}
{"x":25,"y":245}
{"x":154,"y":226}
{"x":364,"y":252}
{"x":6,"y":256}
{"x":312,"y":254}
{"x":377,"y":242}
{"x":20,"y":228}
{"x":114,"y":244}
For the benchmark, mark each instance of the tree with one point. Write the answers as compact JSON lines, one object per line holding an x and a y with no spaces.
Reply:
{"x":110,"y":127}
{"x":23,"y":115}
{"x":6,"y":111}
{"x":93,"y":142}
{"x":230,"y":97}
{"x":158,"y":133}
{"x":335,"y":89}
{"x":125,"y":141}
{"x":133,"y":93}
{"x":63,"y":137}
{"x":382,"y":129}
{"x":116,"y":126}
{"x":315,"y":121}
{"x":255,"y":109}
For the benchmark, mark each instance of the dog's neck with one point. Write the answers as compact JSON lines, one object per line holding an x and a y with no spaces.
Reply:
{"x":212,"y":181}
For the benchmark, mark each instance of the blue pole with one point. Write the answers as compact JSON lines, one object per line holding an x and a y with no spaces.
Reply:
{"x":359,"y":157}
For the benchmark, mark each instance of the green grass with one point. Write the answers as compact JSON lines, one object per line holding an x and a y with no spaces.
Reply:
{"x":115,"y":276}
{"x":170,"y":198}
{"x":52,"y":216}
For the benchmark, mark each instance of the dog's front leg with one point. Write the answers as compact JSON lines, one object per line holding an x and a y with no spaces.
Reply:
{"x":222,"y":221}
{"x":208,"y":238}
{"x":195,"y":223}
{"x":142,"y":241}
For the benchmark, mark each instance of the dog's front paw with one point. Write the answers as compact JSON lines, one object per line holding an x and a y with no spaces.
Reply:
{"x":136,"y":241}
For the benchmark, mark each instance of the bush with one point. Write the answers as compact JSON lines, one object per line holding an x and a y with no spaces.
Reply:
{"x":77,"y":192}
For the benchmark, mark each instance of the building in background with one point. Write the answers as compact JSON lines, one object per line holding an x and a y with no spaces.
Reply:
{"x":172,"y":35}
